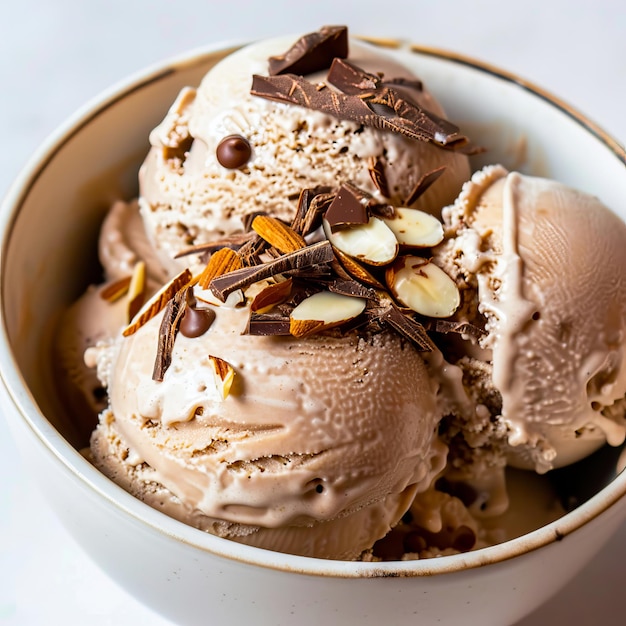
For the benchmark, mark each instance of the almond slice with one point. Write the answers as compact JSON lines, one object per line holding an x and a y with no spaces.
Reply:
{"x":115,"y":290}
{"x":157,"y":302}
{"x":373,"y":243}
{"x":270,"y":296}
{"x":415,"y":228}
{"x":323,"y":310}
{"x":136,"y":290}
{"x":277,"y":234}
{"x":224,"y":375}
{"x":222,"y":262}
{"x":423,"y":287}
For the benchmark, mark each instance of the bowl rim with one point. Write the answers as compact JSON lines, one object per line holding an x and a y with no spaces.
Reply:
{"x":73,"y":462}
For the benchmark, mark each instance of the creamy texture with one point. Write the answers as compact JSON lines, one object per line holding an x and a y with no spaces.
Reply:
{"x":190,"y":198}
{"x":549,"y":267}
{"x":312,"y":430}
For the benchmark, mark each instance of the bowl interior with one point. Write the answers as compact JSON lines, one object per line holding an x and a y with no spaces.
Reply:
{"x":51,"y":217}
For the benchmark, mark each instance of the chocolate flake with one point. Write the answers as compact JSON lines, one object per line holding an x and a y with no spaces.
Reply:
{"x":461,"y":328}
{"x":376,"y":169}
{"x":351,"y":288}
{"x":174,"y":310}
{"x":425,"y":181}
{"x":349,"y":208}
{"x":313,"y":52}
{"x":311,"y":204}
{"x":234,"y":242}
{"x":312,"y":255}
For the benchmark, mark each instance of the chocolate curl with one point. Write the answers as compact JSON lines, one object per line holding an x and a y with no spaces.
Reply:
{"x":168,"y":330}
{"x":312,"y":53}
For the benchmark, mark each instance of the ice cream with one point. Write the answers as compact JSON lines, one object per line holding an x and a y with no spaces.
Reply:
{"x":291,"y":350}
{"x":190,"y":198}
{"x":541,"y":268}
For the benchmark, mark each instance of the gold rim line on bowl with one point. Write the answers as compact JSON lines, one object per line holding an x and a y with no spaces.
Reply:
{"x":22,"y":398}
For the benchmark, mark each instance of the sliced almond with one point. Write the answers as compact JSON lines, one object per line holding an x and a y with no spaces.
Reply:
{"x":277,"y":234}
{"x":355,"y":270}
{"x":222,"y":262}
{"x":136,"y":290}
{"x":415,"y":228}
{"x":270,"y":296}
{"x":158,"y":302}
{"x":373,"y":243}
{"x":423,"y":287}
{"x":224,"y":375}
{"x":323,"y":310}
{"x":115,"y":290}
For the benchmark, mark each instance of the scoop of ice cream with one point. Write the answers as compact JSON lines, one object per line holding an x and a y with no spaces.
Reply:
{"x":188,"y":197}
{"x":317,"y":449}
{"x":543,"y":270}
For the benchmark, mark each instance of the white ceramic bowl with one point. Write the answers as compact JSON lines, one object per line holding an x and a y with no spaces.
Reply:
{"x":49,"y":222}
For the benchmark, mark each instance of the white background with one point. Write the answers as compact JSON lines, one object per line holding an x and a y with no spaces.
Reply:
{"x":55,"y":55}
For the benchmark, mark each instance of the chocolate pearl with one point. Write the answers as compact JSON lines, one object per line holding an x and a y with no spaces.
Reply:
{"x":233,"y":152}
{"x":196,"y":322}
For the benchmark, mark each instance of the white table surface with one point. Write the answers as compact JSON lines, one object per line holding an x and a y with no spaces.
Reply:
{"x":57,"y":54}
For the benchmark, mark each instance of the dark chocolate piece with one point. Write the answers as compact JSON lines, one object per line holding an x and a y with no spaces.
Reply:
{"x":234,"y":242}
{"x":168,"y":330}
{"x":351,"y":79}
{"x":407,"y":326}
{"x":352,"y":288}
{"x":311,"y":204}
{"x":312,"y":53}
{"x":460,"y":328}
{"x":383,"y":108}
{"x":348,"y":208}
{"x":233,"y":152}
{"x":425,"y":181}
{"x":268,"y":324}
{"x":195,"y":322}
{"x":312,"y":255}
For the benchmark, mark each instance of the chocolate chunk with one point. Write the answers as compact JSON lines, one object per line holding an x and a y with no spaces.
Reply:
{"x":313,"y":52}
{"x":303,"y":258}
{"x":268,"y":324}
{"x":425,"y":181}
{"x":351,"y":288}
{"x":407,"y":326}
{"x":409,"y":83}
{"x":311,"y":205}
{"x":351,"y":79}
{"x":168,"y":330}
{"x":348,"y":208}
{"x":233,"y":152}
{"x":384,"y":108}
{"x":195,"y":322}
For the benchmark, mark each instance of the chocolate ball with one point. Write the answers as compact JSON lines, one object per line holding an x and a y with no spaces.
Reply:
{"x":233,"y":152}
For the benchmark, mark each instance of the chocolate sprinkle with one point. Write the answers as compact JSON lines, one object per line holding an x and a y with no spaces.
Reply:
{"x":312,"y":53}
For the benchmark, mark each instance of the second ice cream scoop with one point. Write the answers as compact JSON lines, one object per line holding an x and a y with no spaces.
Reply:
{"x":547,"y":265}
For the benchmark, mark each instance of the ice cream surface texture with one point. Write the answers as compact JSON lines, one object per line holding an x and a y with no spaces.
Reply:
{"x":195,"y":199}
{"x":544,"y":269}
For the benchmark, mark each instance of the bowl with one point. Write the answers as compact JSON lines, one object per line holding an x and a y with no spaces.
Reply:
{"x":49,"y":222}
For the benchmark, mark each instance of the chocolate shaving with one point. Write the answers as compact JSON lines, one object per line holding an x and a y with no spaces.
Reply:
{"x":348,"y":208}
{"x":267,"y":324}
{"x":312,"y":255}
{"x":250,"y":250}
{"x":406,"y":325}
{"x":461,"y":328}
{"x":376,"y":169}
{"x":234,"y":242}
{"x":425,"y":181}
{"x":174,"y":310}
{"x":313,"y":52}
{"x":311,"y":205}
{"x":383,"y":108}
{"x":351,"y":288}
